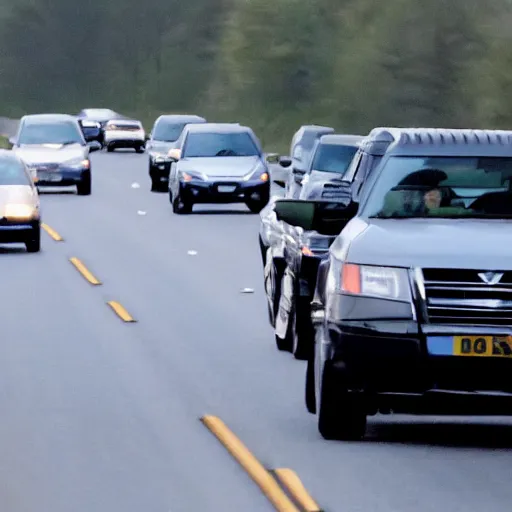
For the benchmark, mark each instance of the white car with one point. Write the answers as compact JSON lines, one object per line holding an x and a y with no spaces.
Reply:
{"x":121,"y":133}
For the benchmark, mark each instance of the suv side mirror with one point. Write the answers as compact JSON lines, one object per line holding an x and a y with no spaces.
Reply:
{"x":12,"y":141}
{"x":325,"y":217}
{"x":174,"y":154}
{"x":147,"y":136}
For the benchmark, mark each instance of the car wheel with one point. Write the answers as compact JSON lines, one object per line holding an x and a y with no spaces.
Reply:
{"x":110,"y":148}
{"x":303,"y":339}
{"x":341,"y":414}
{"x":154,"y":185}
{"x":84,"y":187}
{"x":180,"y":206}
{"x":139,"y":149}
{"x":34,"y":243}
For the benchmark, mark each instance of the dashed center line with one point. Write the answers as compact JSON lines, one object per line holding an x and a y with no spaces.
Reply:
{"x":84,"y":271}
{"x":53,"y":234}
{"x":261,"y":476}
{"x":120,"y":311}
{"x":292,"y":482}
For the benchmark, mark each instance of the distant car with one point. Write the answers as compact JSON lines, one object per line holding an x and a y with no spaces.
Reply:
{"x":124,"y":134}
{"x":163,"y":137}
{"x":332,"y":156}
{"x":301,"y":151}
{"x":55,"y":150}
{"x":92,"y":130}
{"x":218,"y":163}
{"x":99,"y":115}
{"x":19,"y":203}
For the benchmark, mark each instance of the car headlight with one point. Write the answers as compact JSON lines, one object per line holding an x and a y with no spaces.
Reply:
{"x":20,"y":211}
{"x":192,"y":175}
{"x":260,"y":173}
{"x":77,"y":163}
{"x":372,"y":281}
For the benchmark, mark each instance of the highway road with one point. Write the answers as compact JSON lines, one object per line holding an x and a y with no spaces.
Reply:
{"x":103,"y":415}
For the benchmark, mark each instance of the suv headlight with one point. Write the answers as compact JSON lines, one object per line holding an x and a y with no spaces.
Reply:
{"x":192,"y":175}
{"x":15,"y":211}
{"x":77,"y":163}
{"x":372,"y":281}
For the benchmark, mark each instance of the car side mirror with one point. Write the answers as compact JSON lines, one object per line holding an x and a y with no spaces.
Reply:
{"x":272,"y":158}
{"x":94,"y":145}
{"x":325,"y":217}
{"x":147,"y":136}
{"x":12,"y":141}
{"x":285,"y":161}
{"x":174,"y":154}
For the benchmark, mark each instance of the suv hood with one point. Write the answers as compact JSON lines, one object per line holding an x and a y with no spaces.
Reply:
{"x":435,"y":243}
{"x":51,"y":153}
{"x":221,"y":166}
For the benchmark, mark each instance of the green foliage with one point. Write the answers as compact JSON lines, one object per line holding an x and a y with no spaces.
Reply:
{"x":4,"y":142}
{"x":272,"y":64}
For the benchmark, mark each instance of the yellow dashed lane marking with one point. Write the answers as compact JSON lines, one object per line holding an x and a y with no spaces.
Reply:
{"x":292,"y":482}
{"x":252,"y":466}
{"x":120,"y":311}
{"x":84,"y":271}
{"x":52,"y":232}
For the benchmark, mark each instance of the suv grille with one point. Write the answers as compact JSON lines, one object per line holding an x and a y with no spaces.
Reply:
{"x":464,"y":297}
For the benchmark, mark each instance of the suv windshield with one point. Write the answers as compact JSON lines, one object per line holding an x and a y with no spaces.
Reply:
{"x":168,"y":132}
{"x":12,"y":172}
{"x":50,"y":133}
{"x":219,"y":144}
{"x":452,"y":187}
{"x":333,"y":158}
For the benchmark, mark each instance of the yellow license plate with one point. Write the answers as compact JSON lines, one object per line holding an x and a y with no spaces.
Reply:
{"x":482,"y":346}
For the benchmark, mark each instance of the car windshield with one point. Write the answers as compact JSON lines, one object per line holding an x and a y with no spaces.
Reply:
{"x":453,"y":187}
{"x":50,"y":133}
{"x":168,"y":132}
{"x":333,"y":158}
{"x":219,"y":144}
{"x":12,"y":172}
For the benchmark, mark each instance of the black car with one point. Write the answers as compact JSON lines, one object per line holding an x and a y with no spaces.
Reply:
{"x":218,"y":163}
{"x":92,"y":130}
{"x":301,"y":150}
{"x":164,"y":137}
{"x":291,"y":264}
{"x":412,"y":311}
{"x":101,"y":116}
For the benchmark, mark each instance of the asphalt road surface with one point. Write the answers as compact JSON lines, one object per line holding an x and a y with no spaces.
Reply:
{"x":102,"y":415}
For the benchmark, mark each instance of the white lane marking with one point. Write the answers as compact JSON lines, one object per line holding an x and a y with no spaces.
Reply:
{"x":247,"y":290}
{"x":192,"y":253}
{"x":140,"y":212}
{"x":135,"y":185}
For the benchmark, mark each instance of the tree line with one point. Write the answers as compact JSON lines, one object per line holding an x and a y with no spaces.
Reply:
{"x":272,"y":64}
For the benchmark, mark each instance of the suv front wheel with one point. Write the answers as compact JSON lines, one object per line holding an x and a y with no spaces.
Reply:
{"x":341,"y":414}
